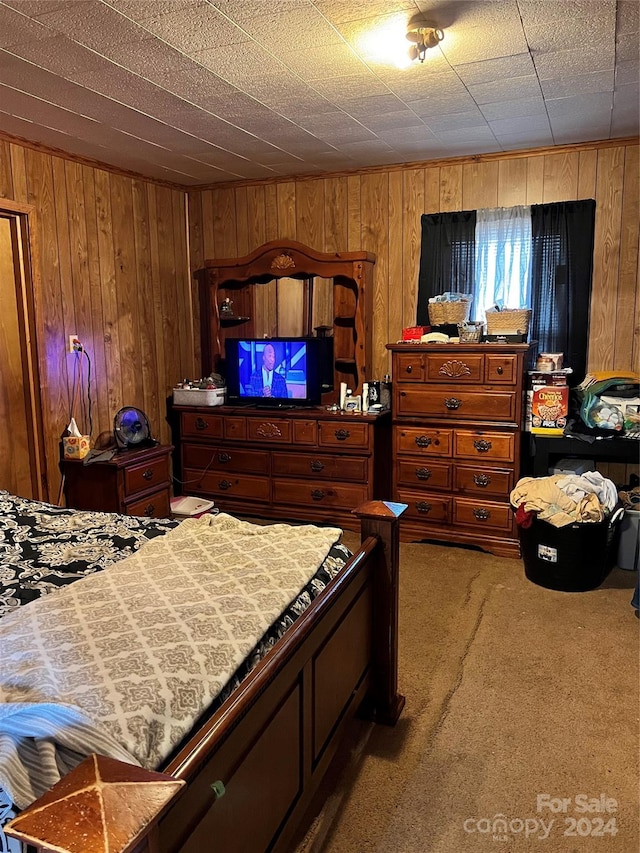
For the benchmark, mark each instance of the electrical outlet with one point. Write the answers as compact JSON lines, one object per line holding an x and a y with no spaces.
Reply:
{"x":73,"y":343}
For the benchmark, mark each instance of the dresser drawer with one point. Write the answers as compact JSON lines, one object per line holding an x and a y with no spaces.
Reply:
{"x":408,"y":367}
{"x":140,"y":478}
{"x":467,"y":369}
{"x":426,"y":507}
{"x":270,"y":431}
{"x":422,"y":474}
{"x":198,"y":424}
{"x":480,"y":444}
{"x":230,"y":485}
{"x":490,"y":482}
{"x":485,"y":515}
{"x":449,"y":401}
{"x":424,"y":440}
{"x":321,"y":494}
{"x":315,"y":466}
{"x":237,"y":460}
{"x":343,"y":434}
{"x":155,"y":505}
{"x":501,"y":369}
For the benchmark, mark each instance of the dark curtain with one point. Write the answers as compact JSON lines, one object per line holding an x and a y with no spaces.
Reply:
{"x":562,"y":264}
{"x":447,"y":257}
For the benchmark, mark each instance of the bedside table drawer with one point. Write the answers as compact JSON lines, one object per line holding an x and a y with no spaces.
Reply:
{"x":139,"y":478}
{"x":156,"y":505}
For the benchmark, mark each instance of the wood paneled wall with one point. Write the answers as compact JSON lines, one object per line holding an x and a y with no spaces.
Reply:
{"x":379,"y":211}
{"x":113,"y":268}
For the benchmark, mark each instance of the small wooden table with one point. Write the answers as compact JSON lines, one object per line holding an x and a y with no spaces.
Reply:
{"x":133,"y":482}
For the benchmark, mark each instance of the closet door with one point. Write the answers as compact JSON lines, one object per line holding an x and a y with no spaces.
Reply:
{"x":20,"y":457}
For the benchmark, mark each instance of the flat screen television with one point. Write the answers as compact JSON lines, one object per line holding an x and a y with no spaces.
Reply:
{"x":277,"y":372}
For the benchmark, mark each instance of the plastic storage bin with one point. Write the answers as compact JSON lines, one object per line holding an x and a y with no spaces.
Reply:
{"x":629,"y":544}
{"x":574,"y":558}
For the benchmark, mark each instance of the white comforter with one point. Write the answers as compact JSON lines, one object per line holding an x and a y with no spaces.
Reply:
{"x":122,"y":664}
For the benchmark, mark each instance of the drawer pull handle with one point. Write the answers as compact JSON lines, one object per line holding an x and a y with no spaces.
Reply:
{"x":423,"y":473}
{"x":482,"y":514}
{"x":342,"y":434}
{"x":423,"y":441}
{"x":499,"y":370}
{"x":423,"y":506}
{"x":148,"y":474}
{"x":316,"y":465}
{"x":481,"y":480}
{"x":481,"y":445}
{"x":225,"y":484}
{"x":223,"y":458}
{"x":218,"y":789}
{"x":149,"y":510}
{"x":409,"y":368}
{"x":452,"y":403}
{"x":201,"y":423}
{"x":317,"y":494}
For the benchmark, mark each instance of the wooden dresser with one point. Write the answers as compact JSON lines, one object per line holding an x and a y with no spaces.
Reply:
{"x":305,"y":464}
{"x":457,"y":419}
{"x":133,"y":482}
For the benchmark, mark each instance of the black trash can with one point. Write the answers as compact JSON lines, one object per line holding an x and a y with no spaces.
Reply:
{"x":574,"y":558}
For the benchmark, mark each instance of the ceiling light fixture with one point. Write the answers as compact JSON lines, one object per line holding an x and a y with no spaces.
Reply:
{"x":423,"y":37}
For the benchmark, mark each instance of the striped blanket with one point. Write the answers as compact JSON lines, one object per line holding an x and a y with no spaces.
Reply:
{"x":115,"y":664}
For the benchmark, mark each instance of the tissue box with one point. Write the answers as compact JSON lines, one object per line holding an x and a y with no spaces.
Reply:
{"x":76,"y":447}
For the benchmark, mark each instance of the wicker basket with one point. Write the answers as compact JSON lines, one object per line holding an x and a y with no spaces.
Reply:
{"x":449,"y":312}
{"x":508,"y":320}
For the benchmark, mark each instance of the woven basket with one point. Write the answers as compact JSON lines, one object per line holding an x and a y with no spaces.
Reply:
{"x":449,"y":312}
{"x":508,"y":320}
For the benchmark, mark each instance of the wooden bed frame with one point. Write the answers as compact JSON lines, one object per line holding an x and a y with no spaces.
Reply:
{"x":252,"y":770}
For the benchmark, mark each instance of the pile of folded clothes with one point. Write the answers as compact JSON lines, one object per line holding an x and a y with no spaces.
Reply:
{"x":563,"y":499}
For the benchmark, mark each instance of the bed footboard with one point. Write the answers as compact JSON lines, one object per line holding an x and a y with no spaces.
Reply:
{"x":252,"y":769}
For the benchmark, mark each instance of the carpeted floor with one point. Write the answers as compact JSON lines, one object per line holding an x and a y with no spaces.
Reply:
{"x":522,"y":704}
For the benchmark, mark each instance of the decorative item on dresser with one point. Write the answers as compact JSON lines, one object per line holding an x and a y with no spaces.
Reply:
{"x":132,"y":482}
{"x":457,"y":422}
{"x":291,"y":464}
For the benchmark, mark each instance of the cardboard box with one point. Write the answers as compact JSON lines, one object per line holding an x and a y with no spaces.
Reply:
{"x":76,"y":447}
{"x":549,"y":409}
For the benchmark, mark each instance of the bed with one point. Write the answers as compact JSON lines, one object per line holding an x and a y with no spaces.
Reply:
{"x":252,"y":763}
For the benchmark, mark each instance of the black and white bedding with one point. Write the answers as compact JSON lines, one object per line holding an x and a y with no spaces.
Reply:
{"x":43,"y":548}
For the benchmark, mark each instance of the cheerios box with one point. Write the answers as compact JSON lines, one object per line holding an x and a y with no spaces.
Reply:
{"x":549,"y":409}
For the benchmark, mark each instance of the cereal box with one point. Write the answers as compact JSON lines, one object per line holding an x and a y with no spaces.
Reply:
{"x":549,"y":409}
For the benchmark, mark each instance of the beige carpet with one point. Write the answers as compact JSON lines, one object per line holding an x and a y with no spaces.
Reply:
{"x":513,"y":692}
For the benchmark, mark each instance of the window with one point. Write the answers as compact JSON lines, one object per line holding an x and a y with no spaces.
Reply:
{"x":547,"y":268}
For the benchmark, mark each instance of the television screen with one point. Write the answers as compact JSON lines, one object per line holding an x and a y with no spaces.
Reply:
{"x":273,"y":372}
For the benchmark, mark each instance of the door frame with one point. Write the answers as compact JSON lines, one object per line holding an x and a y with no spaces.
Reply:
{"x":25,"y":246}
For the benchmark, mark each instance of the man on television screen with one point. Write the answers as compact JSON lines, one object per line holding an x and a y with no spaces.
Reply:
{"x":265,"y":382}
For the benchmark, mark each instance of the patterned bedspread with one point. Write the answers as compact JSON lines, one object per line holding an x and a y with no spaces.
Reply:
{"x":44,"y":547}
{"x":117,"y":661}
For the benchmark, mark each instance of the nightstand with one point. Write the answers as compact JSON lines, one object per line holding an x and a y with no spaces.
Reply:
{"x":133,"y":482}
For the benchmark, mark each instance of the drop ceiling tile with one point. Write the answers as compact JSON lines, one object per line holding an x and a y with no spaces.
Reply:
{"x":627,"y":73}
{"x":543,"y":38}
{"x":479,"y":135}
{"x":492,"y":70}
{"x":535,"y":125}
{"x":322,"y":62}
{"x":417,"y":83}
{"x":409,"y":135}
{"x":139,"y":10}
{"x":484,"y":31}
{"x":455,"y":121}
{"x":594,"y":105}
{"x":510,"y":89}
{"x":571,"y":63}
{"x":345,"y":88}
{"x":514,"y":109}
{"x":239,"y":63}
{"x":437,"y":103}
{"x":16,"y":29}
{"x":373,"y":105}
{"x":196,"y":28}
{"x":399,"y":121}
{"x":598,"y":81}
{"x":552,"y":13}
